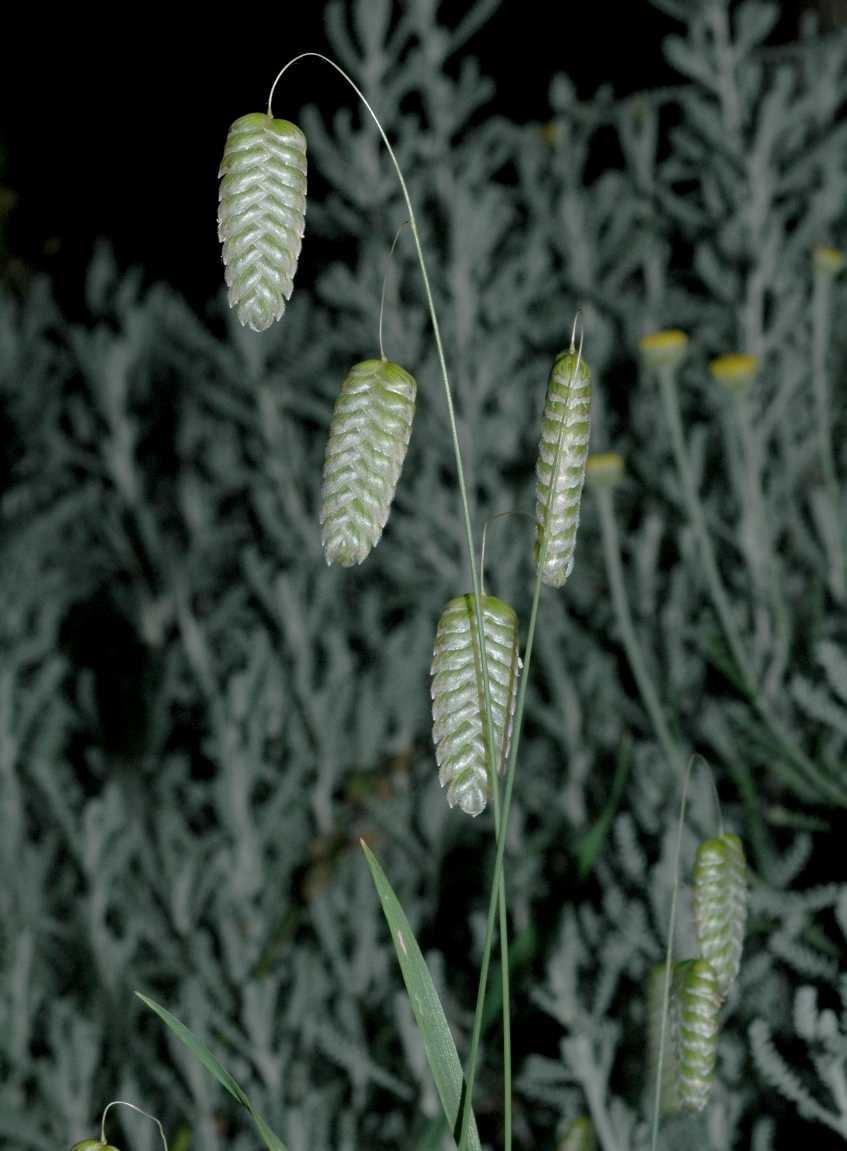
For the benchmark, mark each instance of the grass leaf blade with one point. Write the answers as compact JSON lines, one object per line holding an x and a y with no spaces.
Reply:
{"x":429,"y":1014}
{"x":198,"y":1050}
{"x":205,"y":1056}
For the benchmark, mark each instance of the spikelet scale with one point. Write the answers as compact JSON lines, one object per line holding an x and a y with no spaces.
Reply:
{"x":560,"y":470}
{"x":720,"y":905}
{"x":261,"y":215}
{"x":368,"y":437}
{"x":458,"y":700}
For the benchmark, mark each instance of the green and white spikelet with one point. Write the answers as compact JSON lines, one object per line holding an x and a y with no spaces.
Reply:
{"x":262,"y":215}
{"x":578,"y":1136}
{"x":695,"y":1022}
{"x":92,"y":1145}
{"x":459,"y":730}
{"x":368,"y":437}
{"x":560,"y":471}
{"x":720,"y":905}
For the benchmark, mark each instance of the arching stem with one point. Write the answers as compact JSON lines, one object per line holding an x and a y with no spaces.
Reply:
{"x":123,"y":1103}
{"x":466,"y":513}
{"x":470,"y":1075}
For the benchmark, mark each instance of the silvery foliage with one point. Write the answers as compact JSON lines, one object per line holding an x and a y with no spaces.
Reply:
{"x":181,"y":804}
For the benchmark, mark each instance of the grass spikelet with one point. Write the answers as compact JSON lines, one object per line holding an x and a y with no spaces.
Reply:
{"x":458,"y":709}
{"x":368,"y":437}
{"x":695,"y":1022}
{"x":720,"y":905}
{"x":261,"y":215}
{"x":560,"y":471}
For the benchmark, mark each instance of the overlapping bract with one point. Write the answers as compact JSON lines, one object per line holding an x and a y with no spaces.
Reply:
{"x":458,"y":700}
{"x":720,"y":905}
{"x":368,"y":437}
{"x":562,"y":455}
{"x":261,"y":215}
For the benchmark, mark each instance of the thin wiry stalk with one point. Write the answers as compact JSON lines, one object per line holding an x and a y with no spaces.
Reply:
{"x":454,"y":434}
{"x":470,"y":1073}
{"x":612,"y":553}
{"x":132,"y":1106}
{"x":821,"y":318}
{"x":743,"y":449}
{"x":803,"y":774}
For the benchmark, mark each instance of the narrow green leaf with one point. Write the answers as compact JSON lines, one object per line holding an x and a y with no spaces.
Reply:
{"x":201,"y":1052}
{"x":429,"y":1014}
{"x":197,"y":1049}
{"x":272,"y":1141}
{"x":430,"y":1135}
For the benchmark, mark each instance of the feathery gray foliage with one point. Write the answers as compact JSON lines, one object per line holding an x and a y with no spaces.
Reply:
{"x":198,"y":719}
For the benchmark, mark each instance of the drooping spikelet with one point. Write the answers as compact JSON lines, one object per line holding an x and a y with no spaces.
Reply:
{"x":720,"y":905}
{"x":695,"y":1022}
{"x":669,"y":1101}
{"x":578,"y":1136}
{"x":261,"y":215}
{"x":368,"y":438}
{"x":560,"y":470}
{"x":459,"y":730}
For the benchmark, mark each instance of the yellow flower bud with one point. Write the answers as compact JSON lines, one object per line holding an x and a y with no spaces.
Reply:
{"x":830,"y":260}
{"x":604,"y":470}
{"x":664,"y":349}
{"x":579,"y":1136}
{"x":737,"y":372}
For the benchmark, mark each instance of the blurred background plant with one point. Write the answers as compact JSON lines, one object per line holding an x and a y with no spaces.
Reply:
{"x":198,"y":719}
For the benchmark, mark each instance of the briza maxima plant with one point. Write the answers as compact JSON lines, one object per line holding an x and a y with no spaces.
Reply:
{"x":368,"y":437}
{"x":720,"y":905}
{"x":458,"y":698}
{"x":478,"y":695}
{"x":684,"y":998}
{"x":562,"y":455}
{"x":694,"y":1024}
{"x":262,"y":215}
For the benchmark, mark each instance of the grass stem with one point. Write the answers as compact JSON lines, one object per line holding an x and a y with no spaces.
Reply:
{"x":475,"y":583}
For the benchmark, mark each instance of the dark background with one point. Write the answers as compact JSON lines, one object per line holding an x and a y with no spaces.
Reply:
{"x":113,"y":126}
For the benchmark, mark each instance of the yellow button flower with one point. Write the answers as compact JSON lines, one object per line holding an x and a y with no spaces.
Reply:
{"x":829,"y":260}
{"x":664,"y":349}
{"x":604,"y":470}
{"x":737,"y":372}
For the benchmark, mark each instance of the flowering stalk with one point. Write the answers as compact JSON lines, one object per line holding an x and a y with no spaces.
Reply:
{"x":827,"y":264}
{"x":475,"y":584}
